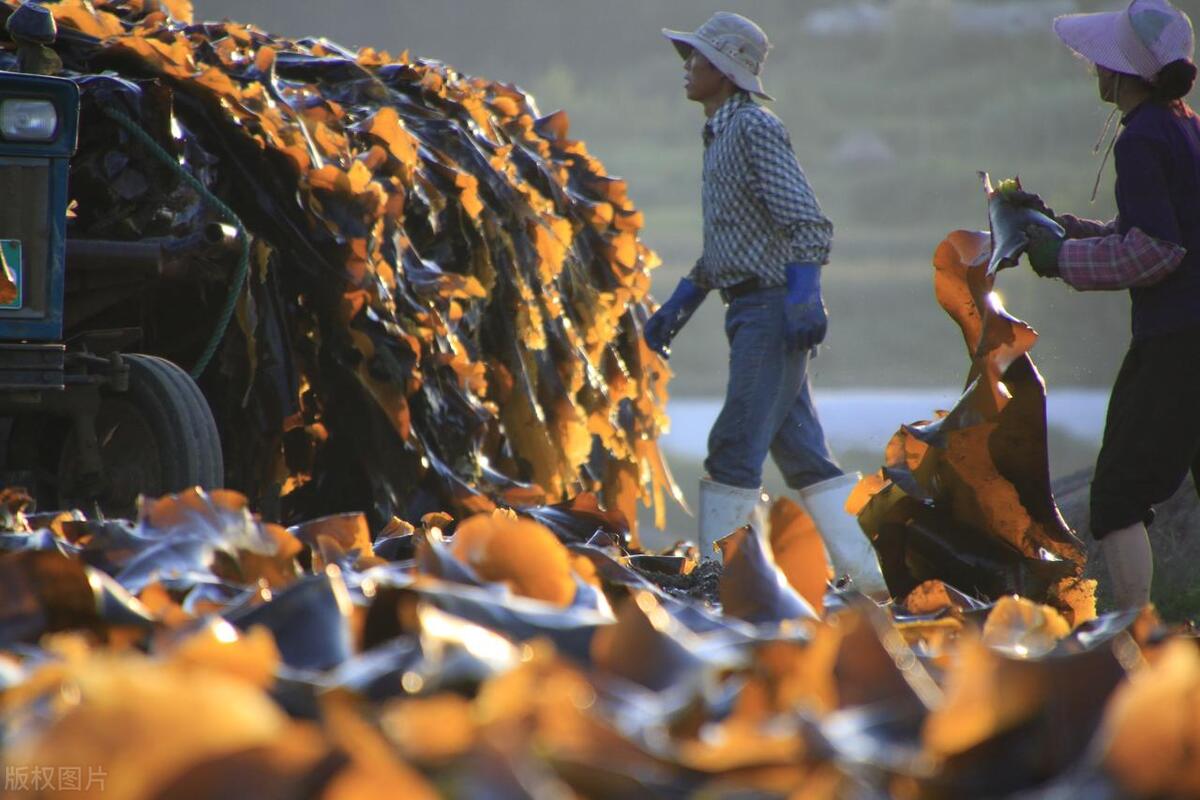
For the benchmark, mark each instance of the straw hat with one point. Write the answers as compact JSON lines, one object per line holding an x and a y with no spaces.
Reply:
{"x":1140,"y":40}
{"x":733,"y":44}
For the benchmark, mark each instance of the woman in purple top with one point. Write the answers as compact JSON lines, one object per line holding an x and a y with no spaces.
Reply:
{"x":1143,"y":58}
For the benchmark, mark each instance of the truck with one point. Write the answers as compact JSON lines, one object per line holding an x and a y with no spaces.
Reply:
{"x":91,"y":413}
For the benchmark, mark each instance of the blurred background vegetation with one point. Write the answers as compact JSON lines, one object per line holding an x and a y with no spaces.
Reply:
{"x":893,"y":107}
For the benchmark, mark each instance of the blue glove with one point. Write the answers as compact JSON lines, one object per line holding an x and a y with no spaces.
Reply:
{"x":804,"y":313}
{"x":673,"y":315}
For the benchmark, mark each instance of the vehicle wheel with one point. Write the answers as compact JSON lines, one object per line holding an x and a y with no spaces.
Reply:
{"x":155,"y":438}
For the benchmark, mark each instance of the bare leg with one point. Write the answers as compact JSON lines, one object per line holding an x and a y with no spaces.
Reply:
{"x":1130,"y":565}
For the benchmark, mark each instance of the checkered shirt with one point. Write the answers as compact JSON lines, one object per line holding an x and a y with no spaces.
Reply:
{"x":1101,"y":258}
{"x":760,"y":214}
{"x":1080,"y":228}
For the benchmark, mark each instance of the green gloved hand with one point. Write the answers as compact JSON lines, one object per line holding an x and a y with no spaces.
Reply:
{"x":1043,"y":251}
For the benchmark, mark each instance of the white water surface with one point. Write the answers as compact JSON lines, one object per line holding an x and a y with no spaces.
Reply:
{"x":865,"y":419}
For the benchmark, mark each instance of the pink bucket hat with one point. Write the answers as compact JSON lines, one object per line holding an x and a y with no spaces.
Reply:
{"x":733,"y":44}
{"x":1140,"y":40}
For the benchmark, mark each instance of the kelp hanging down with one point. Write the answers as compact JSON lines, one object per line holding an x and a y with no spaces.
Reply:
{"x":445,"y":295}
{"x":965,"y":498}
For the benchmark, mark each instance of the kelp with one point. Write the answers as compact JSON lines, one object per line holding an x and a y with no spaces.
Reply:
{"x":1151,"y":726}
{"x":450,"y":670}
{"x":753,"y":587}
{"x":443,"y":316}
{"x":1008,"y":221}
{"x":445,"y":293}
{"x":965,"y":498}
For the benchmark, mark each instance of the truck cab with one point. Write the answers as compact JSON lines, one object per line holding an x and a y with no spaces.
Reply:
{"x":39,"y":118}
{"x":83,"y":424}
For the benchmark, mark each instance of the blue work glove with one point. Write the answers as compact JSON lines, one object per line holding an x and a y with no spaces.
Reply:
{"x":673,"y":315}
{"x":804,"y":313}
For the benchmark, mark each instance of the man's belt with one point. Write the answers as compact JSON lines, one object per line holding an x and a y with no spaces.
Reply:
{"x":738,"y":289}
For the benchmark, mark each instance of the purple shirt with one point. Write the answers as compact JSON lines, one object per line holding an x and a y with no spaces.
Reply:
{"x":1157,"y":159}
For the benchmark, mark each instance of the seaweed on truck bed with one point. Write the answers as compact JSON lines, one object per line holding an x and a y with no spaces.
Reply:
{"x":444,"y":297}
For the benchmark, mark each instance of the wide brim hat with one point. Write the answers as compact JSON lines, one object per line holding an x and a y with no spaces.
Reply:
{"x":1140,"y":40}
{"x":733,"y":44}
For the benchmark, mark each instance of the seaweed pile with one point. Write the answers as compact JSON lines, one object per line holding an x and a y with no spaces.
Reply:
{"x":444,"y":292}
{"x":202,"y":652}
{"x":440,"y":324}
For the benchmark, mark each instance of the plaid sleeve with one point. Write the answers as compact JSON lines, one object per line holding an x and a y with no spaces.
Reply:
{"x":776,"y":179}
{"x":1080,"y":228}
{"x":1117,"y":262}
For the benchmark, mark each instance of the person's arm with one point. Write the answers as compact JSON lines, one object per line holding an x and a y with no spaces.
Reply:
{"x":1152,"y":245}
{"x":1076,"y":227}
{"x":1080,"y":228}
{"x":776,"y":179}
{"x":1117,"y":262}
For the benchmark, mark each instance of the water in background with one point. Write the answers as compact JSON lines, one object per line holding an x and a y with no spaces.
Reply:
{"x":865,"y":419}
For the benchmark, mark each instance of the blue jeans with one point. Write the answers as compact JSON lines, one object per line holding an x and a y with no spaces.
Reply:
{"x":768,"y":405}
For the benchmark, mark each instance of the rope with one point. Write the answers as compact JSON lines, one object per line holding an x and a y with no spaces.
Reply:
{"x":226,"y":212}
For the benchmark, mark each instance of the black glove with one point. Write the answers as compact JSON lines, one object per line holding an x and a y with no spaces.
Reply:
{"x":1043,"y":251}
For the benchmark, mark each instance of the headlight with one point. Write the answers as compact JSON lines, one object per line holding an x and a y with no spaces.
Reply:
{"x":28,"y":120}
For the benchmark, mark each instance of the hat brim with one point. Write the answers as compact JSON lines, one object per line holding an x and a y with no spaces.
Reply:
{"x":1093,"y":36}
{"x":743,"y":78}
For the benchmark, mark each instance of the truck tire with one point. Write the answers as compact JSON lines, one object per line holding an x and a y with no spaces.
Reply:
{"x":156,"y":438}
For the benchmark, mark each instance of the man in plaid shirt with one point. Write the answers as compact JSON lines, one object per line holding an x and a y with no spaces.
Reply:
{"x":765,"y":241}
{"x":760,"y":214}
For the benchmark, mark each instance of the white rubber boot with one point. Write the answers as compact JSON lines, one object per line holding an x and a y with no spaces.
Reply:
{"x":1130,"y":565}
{"x":850,"y":551}
{"x":723,"y":509}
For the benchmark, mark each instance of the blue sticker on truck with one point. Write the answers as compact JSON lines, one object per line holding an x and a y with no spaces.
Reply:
{"x":11,"y":274}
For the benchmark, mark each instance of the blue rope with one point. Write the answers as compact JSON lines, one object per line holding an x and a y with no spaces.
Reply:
{"x":243,"y":267}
